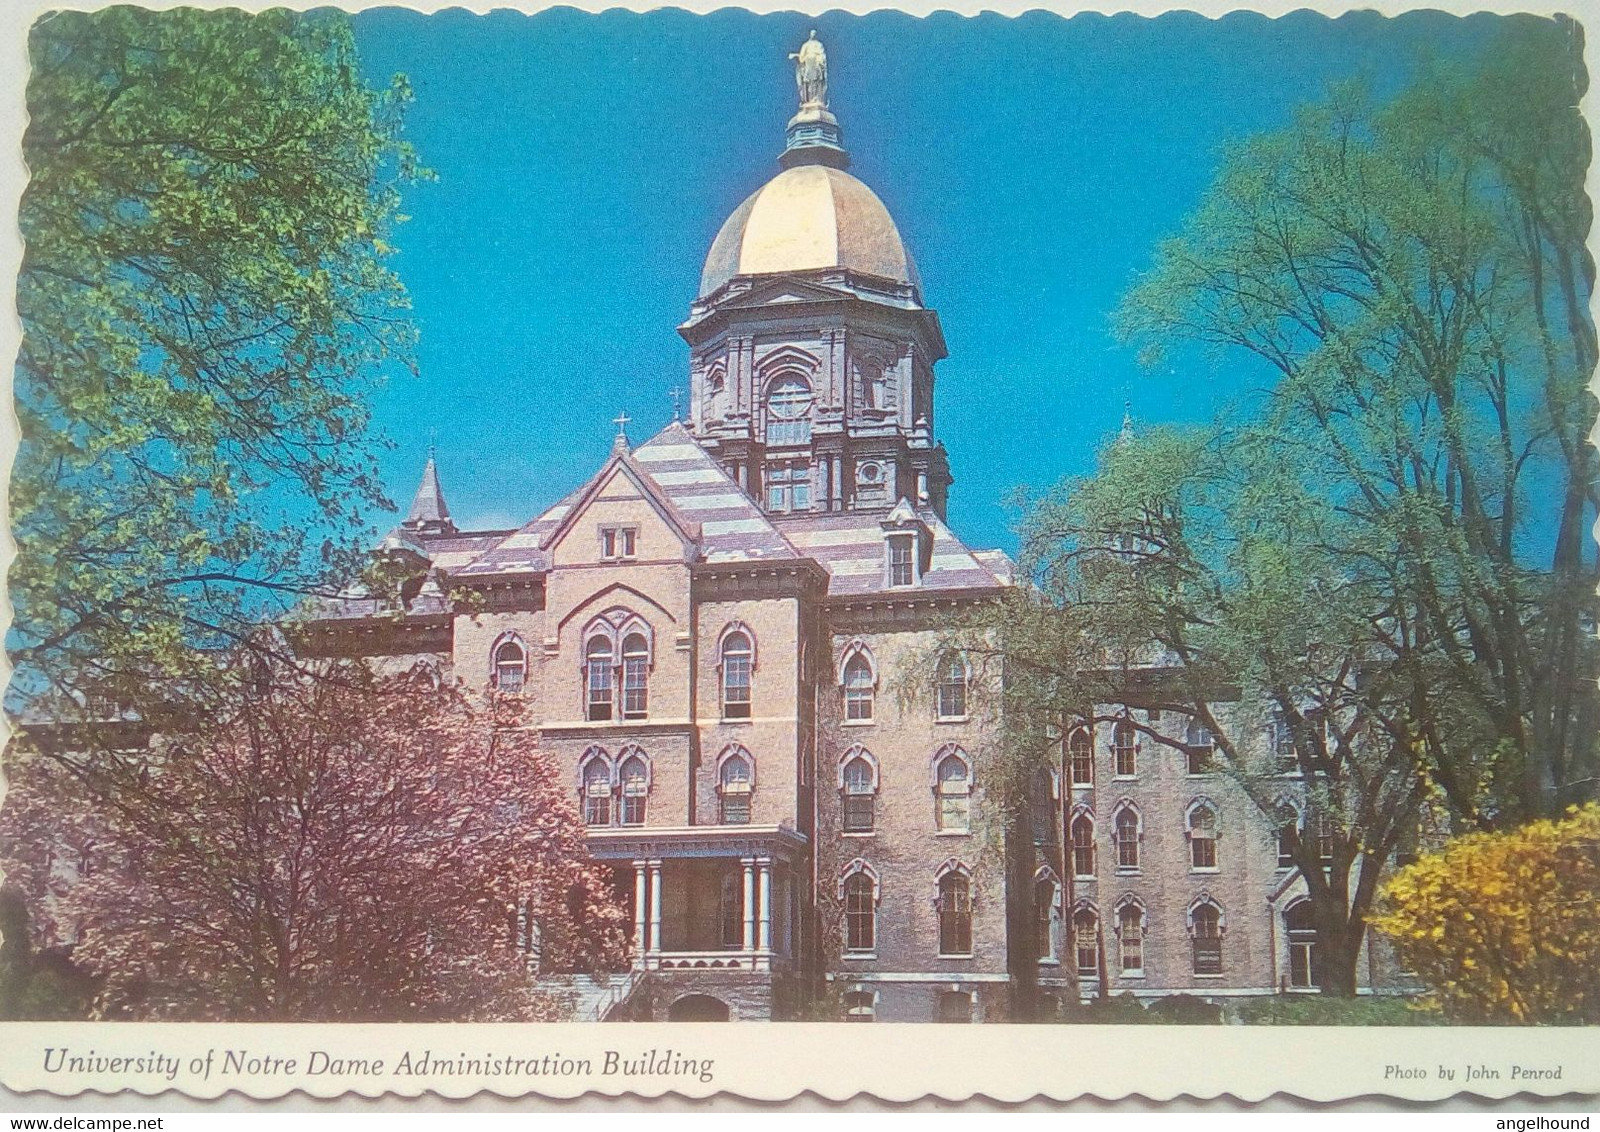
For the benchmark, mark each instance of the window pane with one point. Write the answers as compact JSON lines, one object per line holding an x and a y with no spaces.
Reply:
{"x":858,"y":813}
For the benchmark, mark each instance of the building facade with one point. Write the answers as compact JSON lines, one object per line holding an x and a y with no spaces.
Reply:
{"x":729,"y":637}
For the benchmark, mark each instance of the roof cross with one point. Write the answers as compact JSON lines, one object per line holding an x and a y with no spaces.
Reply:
{"x":621,"y":421}
{"x":677,"y":395}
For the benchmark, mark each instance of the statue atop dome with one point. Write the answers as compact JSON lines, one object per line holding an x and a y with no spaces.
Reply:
{"x":811,"y":73}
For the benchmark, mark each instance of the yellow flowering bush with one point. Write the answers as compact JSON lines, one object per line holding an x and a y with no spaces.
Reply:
{"x":1505,"y":927}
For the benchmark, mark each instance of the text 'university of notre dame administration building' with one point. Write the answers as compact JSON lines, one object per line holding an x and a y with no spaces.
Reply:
{"x":711,"y":633}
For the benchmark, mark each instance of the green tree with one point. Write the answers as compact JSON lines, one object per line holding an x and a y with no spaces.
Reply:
{"x":1412,"y":280}
{"x":205,"y":307}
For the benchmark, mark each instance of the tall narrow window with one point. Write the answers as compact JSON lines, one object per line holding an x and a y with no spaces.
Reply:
{"x":1080,"y":753}
{"x":1127,"y":838}
{"x":789,"y":412}
{"x":858,"y":689}
{"x":901,"y":551}
{"x":596,"y":792}
{"x":635,"y":676}
{"x":860,"y":913}
{"x":1130,"y":939}
{"x":955,"y":915}
{"x":860,"y":795}
{"x":955,"y":794}
{"x":510,"y":667}
{"x":1280,"y":738}
{"x":1288,"y":829}
{"x":1323,"y":829}
{"x":597,"y":669}
{"x":734,"y":789}
{"x":1083,"y":847}
{"x":737,"y":656}
{"x":1300,"y":926}
{"x":1201,"y":747}
{"x":1044,"y":910}
{"x":635,"y":790}
{"x":1206,"y":924}
{"x":1202,"y":838}
{"x":1124,"y":749}
{"x":952,"y":687}
{"x":1086,"y":941}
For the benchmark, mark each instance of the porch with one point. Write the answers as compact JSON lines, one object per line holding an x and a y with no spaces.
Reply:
{"x":707,"y":898}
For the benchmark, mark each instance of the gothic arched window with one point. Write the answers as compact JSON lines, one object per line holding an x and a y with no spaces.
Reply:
{"x":1080,"y":754}
{"x":859,"y":781}
{"x":1045,"y":892}
{"x":1130,"y":936}
{"x":1124,"y":749}
{"x":1300,"y":927}
{"x":735,"y":780}
{"x":738,"y":662}
{"x":1205,"y":930}
{"x":635,"y":779}
{"x":1125,"y":832}
{"x":597,"y":678}
{"x":510,"y":666}
{"x":860,"y":911}
{"x":859,"y":682}
{"x":955,"y":913}
{"x":1086,"y":940}
{"x":1201,"y":747}
{"x":635,"y":676}
{"x":1202,"y":834}
{"x":1083,"y":847}
{"x":596,"y":778}
{"x":953,"y":787}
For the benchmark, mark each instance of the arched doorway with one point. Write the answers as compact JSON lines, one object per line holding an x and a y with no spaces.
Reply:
{"x":698,"y":1008}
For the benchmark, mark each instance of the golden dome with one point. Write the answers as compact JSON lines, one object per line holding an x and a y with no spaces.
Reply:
{"x":808,"y":218}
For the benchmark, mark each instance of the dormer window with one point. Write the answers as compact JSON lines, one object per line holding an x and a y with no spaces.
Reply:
{"x":902,"y":560}
{"x":618,"y":544}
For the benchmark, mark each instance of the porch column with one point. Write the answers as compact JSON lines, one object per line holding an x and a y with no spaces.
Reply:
{"x":655,"y":907}
{"x":766,"y":904}
{"x":641,"y":878}
{"x":749,"y":909}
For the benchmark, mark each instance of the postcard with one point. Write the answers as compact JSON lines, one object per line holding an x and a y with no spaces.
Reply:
{"x":541,"y":530}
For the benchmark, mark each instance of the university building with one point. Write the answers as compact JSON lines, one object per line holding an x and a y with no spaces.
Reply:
{"x":729,"y":637}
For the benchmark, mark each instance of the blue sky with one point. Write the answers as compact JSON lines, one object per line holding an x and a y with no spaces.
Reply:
{"x":1032,"y":164}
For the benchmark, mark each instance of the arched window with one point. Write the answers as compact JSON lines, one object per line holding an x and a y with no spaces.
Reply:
{"x":1046,"y":894}
{"x":859,"y":681}
{"x":1202,"y":836}
{"x":738,"y":661}
{"x":860,"y":1006}
{"x":1086,"y":940}
{"x":955,"y":913}
{"x":951,"y":694}
{"x":635,"y":777}
{"x":1288,"y":829}
{"x":735,"y":781}
{"x":858,"y":778}
{"x":953,"y":786}
{"x":1205,"y":931}
{"x":860,"y":911}
{"x":955,"y":1006}
{"x":635,"y":676}
{"x":597,"y":678}
{"x":1201,"y":747}
{"x":1124,"y":749}
{"x":1130,"y":937}
{"x":596,"y":777}
{"x":873,"y":393}
{"x":1080,"y":753}
{"x":1083,"y":847}
{"x":1126,"y":834}
{"x":1280,"y":740}
{"x":1300,"y":928}
{"x":789,"y":411}
{"x":510,"y":666}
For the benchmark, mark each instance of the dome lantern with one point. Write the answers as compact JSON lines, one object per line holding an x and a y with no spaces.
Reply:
{"x":813,"y":136}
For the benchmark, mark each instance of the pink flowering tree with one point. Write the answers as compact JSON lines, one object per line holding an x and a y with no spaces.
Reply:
{"x":343,"y":848}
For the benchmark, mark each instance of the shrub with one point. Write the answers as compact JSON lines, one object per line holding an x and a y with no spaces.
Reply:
{"x":1329,"y":1010}
{"x":1505,"y":927}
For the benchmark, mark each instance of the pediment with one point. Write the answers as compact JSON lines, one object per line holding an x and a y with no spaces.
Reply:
{"x":784,"y":291}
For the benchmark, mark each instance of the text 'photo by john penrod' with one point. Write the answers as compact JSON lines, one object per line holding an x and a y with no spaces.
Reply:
{"x":660,"y":517}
